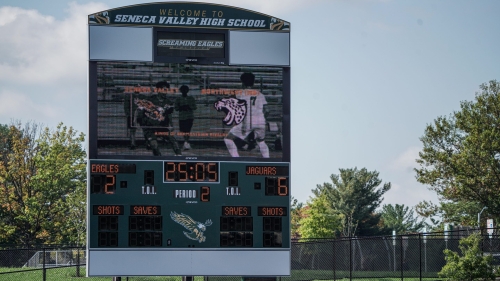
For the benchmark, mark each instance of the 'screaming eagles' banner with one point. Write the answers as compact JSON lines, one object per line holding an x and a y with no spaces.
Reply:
{"x":182,"y":14}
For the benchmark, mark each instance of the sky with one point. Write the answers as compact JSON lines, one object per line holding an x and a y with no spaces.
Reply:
{"x":367,"y":76}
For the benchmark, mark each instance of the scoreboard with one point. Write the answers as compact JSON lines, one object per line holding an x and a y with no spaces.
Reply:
{"x":189,"y":142}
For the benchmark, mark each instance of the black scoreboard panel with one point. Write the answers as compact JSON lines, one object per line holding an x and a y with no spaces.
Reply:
{"x":240,"y":205}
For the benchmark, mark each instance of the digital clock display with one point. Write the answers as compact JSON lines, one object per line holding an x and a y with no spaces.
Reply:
{"x":191,"y":171}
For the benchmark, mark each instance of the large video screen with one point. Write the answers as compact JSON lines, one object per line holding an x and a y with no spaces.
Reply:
{"x":195,"y":111}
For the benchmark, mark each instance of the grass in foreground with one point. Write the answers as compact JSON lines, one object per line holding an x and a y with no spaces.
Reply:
{"x":70,"y":273}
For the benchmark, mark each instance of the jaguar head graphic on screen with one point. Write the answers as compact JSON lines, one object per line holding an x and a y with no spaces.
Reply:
{"x":235,"y":110}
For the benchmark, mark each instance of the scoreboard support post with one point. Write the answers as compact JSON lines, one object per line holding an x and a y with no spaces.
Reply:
{"x":189,"y":142}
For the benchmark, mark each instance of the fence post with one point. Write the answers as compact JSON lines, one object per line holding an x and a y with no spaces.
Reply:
{"x":44,"y":270}
{"x":482,"y":242}
{"x":77,"y":262}
{"x":350,"y":258}
{"x":401,"y":261}
{"x":334,"y":277}
{"x":420,"y":255}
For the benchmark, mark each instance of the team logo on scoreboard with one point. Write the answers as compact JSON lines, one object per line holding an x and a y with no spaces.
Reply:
{"x":235,"y":110}
{"x":277,"y":24}
{"x":101,"y":18}
{"x":196,"y":228}
{"x":151,"y":111}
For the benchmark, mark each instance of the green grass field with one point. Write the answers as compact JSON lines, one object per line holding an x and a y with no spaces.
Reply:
{"x":69,"y":273}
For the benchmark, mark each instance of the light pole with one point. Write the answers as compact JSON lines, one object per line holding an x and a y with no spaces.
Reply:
{"x":479,"y":217}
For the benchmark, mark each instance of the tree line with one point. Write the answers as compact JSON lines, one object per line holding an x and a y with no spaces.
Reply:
{"x":349,"y":206}
{"x":460,"y":161}
{"x":43,"y":184}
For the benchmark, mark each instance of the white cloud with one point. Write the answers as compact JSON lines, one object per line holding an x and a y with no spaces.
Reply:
{"x":405,"y":189}
{"x":43,"y":60}
{"x":408,"y":191}
{"x":18,"y":106}
{"x":406,"y":160}
{"x":37,"y":49}
{"x":43,"y":65}
{"x":270,"y":7}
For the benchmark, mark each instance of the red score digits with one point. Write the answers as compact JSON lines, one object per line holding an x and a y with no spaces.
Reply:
{"x":191,"y":171}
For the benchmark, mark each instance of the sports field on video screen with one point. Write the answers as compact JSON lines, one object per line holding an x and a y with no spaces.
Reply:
{"x":138,"y":101}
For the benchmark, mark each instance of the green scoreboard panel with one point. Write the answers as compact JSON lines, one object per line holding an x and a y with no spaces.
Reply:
{"x":189,"y":142}
{"x":197,"y":205}
{"x":174,"y":206}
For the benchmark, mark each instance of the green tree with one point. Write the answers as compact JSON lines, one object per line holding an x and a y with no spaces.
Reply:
{"x":61,"y":165}
{"x":458,"y":213}
{"x":461,"y":153}
{"x":4,"y":132}
{"x":355,"y":194}
{"x":319,"y":221}
{"x":296,"y":215}
{"x":401,"y":219}
{"x":39,"y":170}
{"x":471,"y":265}
{"x":431,"y":211}
{"x":73,"y":229}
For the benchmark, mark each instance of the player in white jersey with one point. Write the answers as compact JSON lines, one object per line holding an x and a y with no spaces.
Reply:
{"x":254,"y":121}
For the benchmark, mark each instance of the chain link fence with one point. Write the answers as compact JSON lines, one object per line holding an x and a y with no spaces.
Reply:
{"x":413,"y":256}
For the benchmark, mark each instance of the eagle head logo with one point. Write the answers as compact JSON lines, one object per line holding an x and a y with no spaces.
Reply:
{"x":100,"y":18}
{"x":195,"y":228}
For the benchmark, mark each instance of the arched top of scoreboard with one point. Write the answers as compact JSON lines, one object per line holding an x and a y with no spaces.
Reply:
{"x":188,"y":15}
